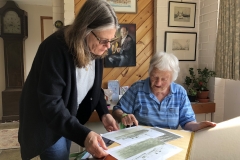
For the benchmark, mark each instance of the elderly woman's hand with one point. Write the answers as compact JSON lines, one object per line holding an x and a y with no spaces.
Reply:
{"x":95,"y":145}
{"x":194,"y":126}
{"x":206,"y":124}
{"x":129,"y":119}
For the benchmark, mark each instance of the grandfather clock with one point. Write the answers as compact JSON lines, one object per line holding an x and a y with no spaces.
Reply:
{"x":14,"y":31}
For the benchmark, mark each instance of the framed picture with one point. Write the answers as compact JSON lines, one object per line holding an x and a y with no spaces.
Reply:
{"x":181,"y":14}
{"x":124,"y":6}
{"x":181,"y":44}
{"x":122,"y":52}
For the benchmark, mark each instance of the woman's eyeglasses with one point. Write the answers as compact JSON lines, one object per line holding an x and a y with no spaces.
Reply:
{"x":104,"y":41}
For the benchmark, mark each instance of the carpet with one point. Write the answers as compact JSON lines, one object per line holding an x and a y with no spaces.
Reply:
{"x":9,"y":138}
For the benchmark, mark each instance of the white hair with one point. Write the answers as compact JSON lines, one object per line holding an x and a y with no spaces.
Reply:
{"x":165,"y":62}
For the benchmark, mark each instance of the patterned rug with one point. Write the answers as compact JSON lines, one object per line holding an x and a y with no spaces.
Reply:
{"x":9,"y":138}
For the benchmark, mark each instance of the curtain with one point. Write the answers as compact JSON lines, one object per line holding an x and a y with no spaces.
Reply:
{"x":228,"y":43}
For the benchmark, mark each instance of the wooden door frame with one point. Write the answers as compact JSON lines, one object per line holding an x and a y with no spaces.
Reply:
{"x":42,"y":18}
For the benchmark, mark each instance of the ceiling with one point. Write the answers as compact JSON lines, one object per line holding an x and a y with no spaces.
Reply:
{"x":35,"y":2}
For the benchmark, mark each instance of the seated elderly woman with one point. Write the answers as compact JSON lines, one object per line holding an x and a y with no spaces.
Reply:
{"x":158,"y":101}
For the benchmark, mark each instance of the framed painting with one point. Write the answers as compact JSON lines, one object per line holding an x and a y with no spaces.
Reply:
{"x":181,"y":44}
{"x":124,"y":6}
{"x":181,"y":14}
{"x":122,"y":52}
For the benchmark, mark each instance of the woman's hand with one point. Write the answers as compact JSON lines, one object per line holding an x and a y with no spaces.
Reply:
{"x":129,"y":119}
{"x":95,"y":145}
{"x":205,"y":124}
{"x":194,"y":126}
{"x":109,"y":123}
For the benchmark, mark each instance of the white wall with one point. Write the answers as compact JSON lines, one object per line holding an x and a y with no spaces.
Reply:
{"x":219,"y":98}
{"x":226,"y":97}
{"x":205,"y":26}
{"x":34,"y":32}
{"x":208,"y":18}
{"x":161,"y":25}
{"x":207,"y":33}
{"x":231,"y":99}
{"x":31,"y":43}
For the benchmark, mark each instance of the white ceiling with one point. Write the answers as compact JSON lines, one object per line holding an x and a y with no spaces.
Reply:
{"x":35,"y":2}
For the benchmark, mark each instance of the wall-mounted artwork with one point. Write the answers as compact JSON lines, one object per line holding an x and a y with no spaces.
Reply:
{"x":181,"y":14}
{"x":181,"y":44}
{"x":124,"y":6}
{"x":122,"y":52}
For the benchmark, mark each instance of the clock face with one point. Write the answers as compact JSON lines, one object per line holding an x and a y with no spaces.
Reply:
{"x":11,"y":23}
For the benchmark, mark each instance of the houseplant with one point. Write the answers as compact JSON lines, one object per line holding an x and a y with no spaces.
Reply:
{"x":199,"y":82}
{"x":189,"y":86}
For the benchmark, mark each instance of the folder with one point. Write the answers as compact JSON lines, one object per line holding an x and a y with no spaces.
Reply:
{"x":221,"y":142}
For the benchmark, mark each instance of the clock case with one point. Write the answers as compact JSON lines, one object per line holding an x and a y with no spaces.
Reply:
{"x":12,"y":6}
{"x":14,"y":44}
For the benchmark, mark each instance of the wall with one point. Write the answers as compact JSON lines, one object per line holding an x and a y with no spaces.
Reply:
{"x":231,"y":103}
{"x":207,"y":33}
{"x":205,"y":26}
{"x":219,"y":99}
{"x":161,"y":23}
{"x":2,"y":68}
{"x":207,"y":47}
{"x":31,"y":43}
{"x":226,"y":97}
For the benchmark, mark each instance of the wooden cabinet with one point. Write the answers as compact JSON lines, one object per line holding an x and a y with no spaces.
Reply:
{"x":200,"y":108}
{"x":10,"y":101}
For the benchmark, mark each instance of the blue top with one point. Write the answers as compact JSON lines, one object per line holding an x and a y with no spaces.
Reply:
{"x":173,"y":110}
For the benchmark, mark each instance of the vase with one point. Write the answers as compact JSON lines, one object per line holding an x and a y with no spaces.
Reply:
{"x":203,"y":100}
{"x":192,"y":98}
{"x":202,"y":94}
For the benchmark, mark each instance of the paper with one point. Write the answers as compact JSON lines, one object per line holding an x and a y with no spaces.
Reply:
{"x":149,"y":149}
{"x":132,"y":134}
{"x":139,"y":133}
{"x":142,"y":143}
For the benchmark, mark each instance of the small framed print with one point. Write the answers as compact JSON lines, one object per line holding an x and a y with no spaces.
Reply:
{"x":124,"y":6}
{"x":181,"y":44}
{"x":181,"y":14}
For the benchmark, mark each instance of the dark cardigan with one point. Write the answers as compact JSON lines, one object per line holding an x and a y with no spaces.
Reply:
{"x":48,"y":105}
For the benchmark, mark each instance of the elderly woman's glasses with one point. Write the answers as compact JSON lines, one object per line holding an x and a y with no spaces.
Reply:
{"x":104,"y":41}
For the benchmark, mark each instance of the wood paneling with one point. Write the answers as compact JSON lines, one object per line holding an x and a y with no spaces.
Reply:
{"x":144,"y":44}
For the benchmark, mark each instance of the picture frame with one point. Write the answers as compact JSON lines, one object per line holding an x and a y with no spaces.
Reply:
{"x":181,"y":44}
{"x":181,"y":14}
{"x":122,"y":52}
{"x":129,"y":6}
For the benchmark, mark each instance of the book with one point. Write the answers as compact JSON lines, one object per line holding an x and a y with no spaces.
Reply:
{"x":221,"y":142}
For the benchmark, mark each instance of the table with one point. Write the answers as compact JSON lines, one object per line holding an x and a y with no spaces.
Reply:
{"x":184,"y":143}
{"x":198,"y":108}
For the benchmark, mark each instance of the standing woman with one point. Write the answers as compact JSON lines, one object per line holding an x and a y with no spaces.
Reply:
{"x":63,"y":87}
